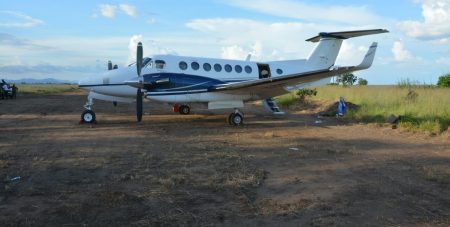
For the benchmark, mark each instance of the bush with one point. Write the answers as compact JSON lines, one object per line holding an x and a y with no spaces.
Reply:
{"x":347,"y":79}
{"x":444,"y":81}
{"x":362,"y":82}
{"x":303,"y":93}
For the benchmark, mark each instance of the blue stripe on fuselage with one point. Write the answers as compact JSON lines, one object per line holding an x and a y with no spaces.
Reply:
{"x":181,"y":82}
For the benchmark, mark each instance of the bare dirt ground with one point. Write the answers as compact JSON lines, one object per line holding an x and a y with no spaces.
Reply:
{"x":196,"y":170}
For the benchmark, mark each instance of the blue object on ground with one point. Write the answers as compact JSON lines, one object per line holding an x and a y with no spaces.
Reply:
{"x":342,"y":109}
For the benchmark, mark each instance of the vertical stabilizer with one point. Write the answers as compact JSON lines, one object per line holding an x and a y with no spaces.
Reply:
{"x":325,"y":54}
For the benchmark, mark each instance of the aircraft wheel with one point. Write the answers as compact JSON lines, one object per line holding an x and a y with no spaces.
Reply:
{"x":184,"y":109}
{"x":236,"y":119}
{"x":88,"y":116}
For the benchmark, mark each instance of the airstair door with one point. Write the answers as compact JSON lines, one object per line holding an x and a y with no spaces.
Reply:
{"x":264,"y":71}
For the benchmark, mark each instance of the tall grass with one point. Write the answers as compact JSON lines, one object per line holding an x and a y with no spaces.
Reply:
{"x":44,"y":88}
{"x":423,"y":108}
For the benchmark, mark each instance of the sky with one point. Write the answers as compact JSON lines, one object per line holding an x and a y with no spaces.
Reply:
{"x":71,"y":40}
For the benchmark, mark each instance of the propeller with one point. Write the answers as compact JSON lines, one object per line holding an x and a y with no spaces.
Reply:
{"x":110,"y":66}
{"x":139,"y":56}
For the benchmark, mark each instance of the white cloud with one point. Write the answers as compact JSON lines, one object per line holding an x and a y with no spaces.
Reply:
{"x":237,"y":52}
{"x":132,"y":45}
{"x":443,"y":61}
{"x":436,"y":23}
{"x":108,"y":10}
{"x":284,"y":38}
{"x":356,"y":15}
{"x":128,"y":9}
{"x":351,"y":54}
{"x":24,"y":21}
{"x":151,"y":21}
{"x":150,"y":47}
{"x":277,"y":41}
{"x":400,"y":53}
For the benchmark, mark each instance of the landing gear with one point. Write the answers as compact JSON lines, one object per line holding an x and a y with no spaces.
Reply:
{"x":88,"y":116}
{"x":184,"y":109}
{"x":236,"y":118}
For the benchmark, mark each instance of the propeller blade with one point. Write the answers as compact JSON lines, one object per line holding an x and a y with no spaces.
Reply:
{"x":139,"y":55}
{"x":139,"y":105}
{"x":110,"y":66}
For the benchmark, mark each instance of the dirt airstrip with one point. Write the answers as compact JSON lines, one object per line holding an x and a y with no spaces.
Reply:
{"x":196,"y":170}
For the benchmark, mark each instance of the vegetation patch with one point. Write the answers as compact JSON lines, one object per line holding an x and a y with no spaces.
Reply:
{"x":420,"y":108}
{"x":44,"y":89}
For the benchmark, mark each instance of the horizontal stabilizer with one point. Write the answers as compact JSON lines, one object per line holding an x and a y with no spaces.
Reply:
{"x":346,"y":35}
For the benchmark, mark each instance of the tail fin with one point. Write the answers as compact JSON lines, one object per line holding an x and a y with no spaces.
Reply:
{"x":325,"y":54}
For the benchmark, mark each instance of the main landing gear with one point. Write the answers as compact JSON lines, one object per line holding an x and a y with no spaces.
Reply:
{"x":182,"y":109}
{"x":236,"y":118}
{"x":88,"y":115}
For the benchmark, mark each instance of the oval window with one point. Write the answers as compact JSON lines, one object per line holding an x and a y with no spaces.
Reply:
{"x":195,"y":65}
{"x":248,"y":69}
{"x":228,"y":68}
{"x":207,"y":67}
{"x":183,"y":65}
{"x":279,"y":71}
{"x":217,"y":67}
{"x":238,"y":68}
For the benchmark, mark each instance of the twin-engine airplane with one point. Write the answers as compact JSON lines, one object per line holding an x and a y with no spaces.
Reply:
{"x":218,"y":83}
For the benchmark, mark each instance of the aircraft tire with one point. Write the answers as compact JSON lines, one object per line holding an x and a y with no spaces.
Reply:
{"x":88,"y":116}
{"x":236,"y":119}
{"x":184,"y":109}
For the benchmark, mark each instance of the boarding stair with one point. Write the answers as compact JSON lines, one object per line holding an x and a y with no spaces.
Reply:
{"x":271,"y":106}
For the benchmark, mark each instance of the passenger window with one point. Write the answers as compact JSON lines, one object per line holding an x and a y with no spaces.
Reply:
{"x":195,"y":65}
{"x":228,"y":68}
{"x":207,"y":67}
{"x":248,"y":69}
{"x":183,"y":65}
{"x":279,"y":71}
{"x":238,"y":68}
{"x":159,"y":64}
{"x":217,"y":67}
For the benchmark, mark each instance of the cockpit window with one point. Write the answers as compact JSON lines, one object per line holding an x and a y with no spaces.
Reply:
{"x":146,"y":62}
{"x":160,"y":64}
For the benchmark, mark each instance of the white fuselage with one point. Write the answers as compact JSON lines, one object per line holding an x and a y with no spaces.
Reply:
{"x":111,"y":84}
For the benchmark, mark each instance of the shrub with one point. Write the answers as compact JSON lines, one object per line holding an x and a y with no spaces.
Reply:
{"x":347,"y":79}
{"x":444,"y":81}
{"x":303,"y":93}
{"x":362,"y":82}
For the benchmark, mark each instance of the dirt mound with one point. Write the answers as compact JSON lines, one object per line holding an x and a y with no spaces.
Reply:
{"x":324,"y":108}
{"x":331,"y":110}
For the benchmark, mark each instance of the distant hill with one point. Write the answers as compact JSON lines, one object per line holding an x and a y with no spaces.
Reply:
{"x":40,"y":81}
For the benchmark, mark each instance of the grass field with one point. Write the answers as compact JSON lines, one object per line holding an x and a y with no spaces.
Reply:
{"x":25,"y":89}
{"x":421,"y":108}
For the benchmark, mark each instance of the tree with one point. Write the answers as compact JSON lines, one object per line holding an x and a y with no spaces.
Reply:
{"x":346,"y":79}
{"x":444,"y":81}
{"x":362,"y":82}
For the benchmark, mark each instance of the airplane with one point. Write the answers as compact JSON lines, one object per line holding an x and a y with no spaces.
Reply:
{"x":218,"y":83}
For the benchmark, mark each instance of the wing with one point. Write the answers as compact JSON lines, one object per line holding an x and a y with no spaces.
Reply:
{"x":270,"y":87}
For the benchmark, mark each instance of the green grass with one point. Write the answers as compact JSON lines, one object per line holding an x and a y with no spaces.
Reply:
{"x":421,"y":108}
{"x":26,"y":89}
{"x":287,"y":100}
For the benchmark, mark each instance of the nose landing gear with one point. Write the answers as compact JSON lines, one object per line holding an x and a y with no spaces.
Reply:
{"x":88,"y":115}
